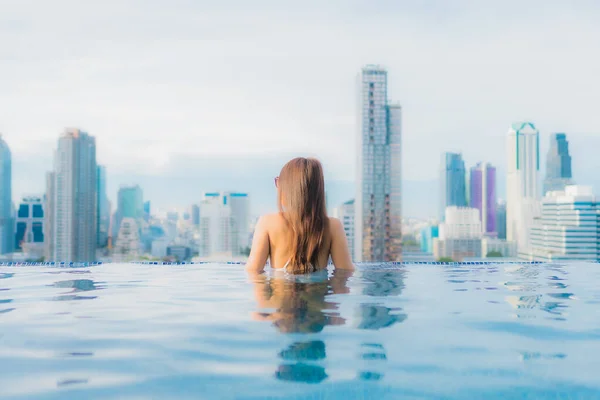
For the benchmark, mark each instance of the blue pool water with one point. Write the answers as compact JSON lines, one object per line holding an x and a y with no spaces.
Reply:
{"x":129,"y":331}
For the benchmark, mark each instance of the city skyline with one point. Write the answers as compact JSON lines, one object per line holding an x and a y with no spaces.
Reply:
{"x":128,"y":88}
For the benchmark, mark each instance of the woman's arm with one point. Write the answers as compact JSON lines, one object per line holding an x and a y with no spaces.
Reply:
{"x":260,"y":247}
{"x":340,"y":255}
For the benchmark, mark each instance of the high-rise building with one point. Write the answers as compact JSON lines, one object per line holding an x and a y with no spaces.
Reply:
{"x":459,"y":236}
{"x":378,"y":213}
{"x":569,"y":228}
{"x":147,"y":210}
{"x":558,"y":164}
{"x":30,"y":223}
{"x":453,"y":190}
{"x":130,"y":204}
{"x":483,"y":196}
{"x":428,"y":234}
{"x":523,"y":186}
{"x":103,"y":205}
{"x":345,"y":213}
{"x":7,"y":222}
{"x":72,"y":191}
{"x":49,"y":217}
{"x":195,"y":214}
{"x":224,"y":223}
{"x":501,"y":219}
{"x":127,"y":245}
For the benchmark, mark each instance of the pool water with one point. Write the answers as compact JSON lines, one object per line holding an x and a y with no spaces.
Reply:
{"x":130,"y":331}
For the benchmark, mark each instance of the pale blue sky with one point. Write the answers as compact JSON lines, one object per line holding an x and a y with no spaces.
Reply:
{"x":162,"y":82}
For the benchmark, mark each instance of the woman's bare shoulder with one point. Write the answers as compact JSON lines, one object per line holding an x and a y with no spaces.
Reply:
{"x":271,"y":221}
{"x":334,"y":223}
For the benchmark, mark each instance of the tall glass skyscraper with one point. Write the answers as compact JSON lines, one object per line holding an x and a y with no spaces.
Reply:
{"x":522,"y":183}
{"x":483,"y":195}
{"x":72,"y":195}
{"x":452,"y":182}
{"x":378,"y":213}
{"x":501,"y":219}
{"x":130,"y":204}
{"x":558,"y":164}
{"x":103,"y":212}
{"x":7,"y":222}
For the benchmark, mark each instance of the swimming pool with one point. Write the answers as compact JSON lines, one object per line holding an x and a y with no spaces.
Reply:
{"x":131,"y":331}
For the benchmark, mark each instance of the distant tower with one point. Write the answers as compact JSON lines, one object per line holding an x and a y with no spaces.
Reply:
{"x":378,"y":213}
{"x":483,"y":196}
{"x":452,"y":183}
{"x":522,"y":186}
{"x":103,"y":208}
{"x":7,"y":222}
{"x":558,"y":164}
{"x":72,"y":191}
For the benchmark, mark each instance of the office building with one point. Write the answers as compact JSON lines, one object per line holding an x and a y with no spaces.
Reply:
{"x":29,"y":235}
{"x":7,"y":222}
{"x":179,"y":253}
{"x":378,"y":213}
{"x":482,"y":185}
{"x":494,"y":247}
{"x":501,"y":219}
{"x":224,"y":224}
{"x":103,"y":211}
{"x":523,"y":186}
{"x":147,"y":211}
{"x":195,"y":214}
{"x":558,"y":164}
{"x":453,"y":191}
{"x":427,"y":235}
{"x":568,"y":228}
{"x":345,"y":213}
{"x":459,"y":236}
{"x":127,"y":245}
{"x":72,"y":191}
{"x":130,"y":204}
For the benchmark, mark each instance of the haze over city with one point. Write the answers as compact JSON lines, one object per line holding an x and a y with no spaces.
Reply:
{"x":195,"y":95}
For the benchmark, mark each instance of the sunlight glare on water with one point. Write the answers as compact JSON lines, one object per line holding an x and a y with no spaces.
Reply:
{"x":212,"y":331}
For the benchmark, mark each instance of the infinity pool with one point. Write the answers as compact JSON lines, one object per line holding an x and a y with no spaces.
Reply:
{"x":130,"y":331}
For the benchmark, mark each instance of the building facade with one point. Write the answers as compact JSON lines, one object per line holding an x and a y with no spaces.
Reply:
{"x":427,"y":235}
{"x":345,"y":213}
{"x":127,"y":245}
{"x":558,"y":164}
{"x":378,"y":213}
{"x":30,"y":223}
{"x":224,"y":224}
{"x":460,"y":234}
{"x":501,"y":219}
{"x":7,"y":222}
{"x":482,"y":184}
{"x":569,"y":226}
{"x":103,"y":208}
{"x":130,"y":204}
{"x":73,"y":192}
{"x":453,"y":191}
{"x":522,"y":186}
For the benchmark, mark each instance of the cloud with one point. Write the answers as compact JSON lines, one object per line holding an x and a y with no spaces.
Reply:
{"x":155,"y":80}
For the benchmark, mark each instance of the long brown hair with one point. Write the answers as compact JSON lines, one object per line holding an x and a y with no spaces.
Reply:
{"x":301,"y":198}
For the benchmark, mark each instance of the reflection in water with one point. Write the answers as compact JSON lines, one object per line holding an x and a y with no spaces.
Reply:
{"x":381,"y":283}
{"x":300,"y":306}
{"x":78,"y":285}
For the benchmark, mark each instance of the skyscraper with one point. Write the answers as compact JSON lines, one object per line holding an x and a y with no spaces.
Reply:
{"x":103,"y":212}
{"x":72,"y":191}
{"x":378,"y":214}
{"x":130,"y":204}
{"x":558,"y":164}
{"x":7,"y":222}
{"x":501,"y":219}
{"x":522,"y":187}
{"x":483,"y":195}
{"x":452,"y":182}
{"x":240,"y":212}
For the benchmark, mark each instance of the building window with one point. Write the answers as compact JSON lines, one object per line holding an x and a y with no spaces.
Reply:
{"x":23,"y":211}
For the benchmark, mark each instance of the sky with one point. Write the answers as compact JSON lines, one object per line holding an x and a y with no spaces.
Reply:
{"x":186,"y":93}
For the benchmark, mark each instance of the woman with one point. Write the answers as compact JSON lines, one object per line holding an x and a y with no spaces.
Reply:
{"x":300,"y":238}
